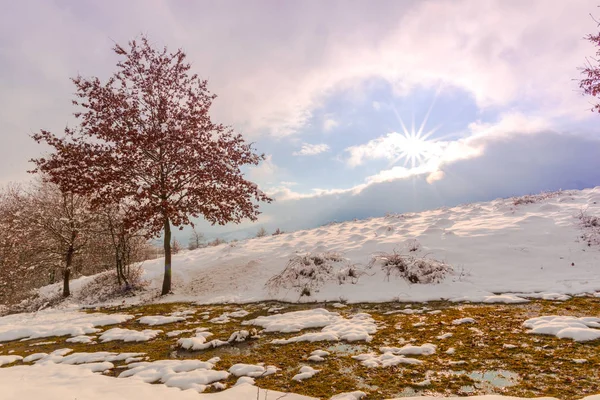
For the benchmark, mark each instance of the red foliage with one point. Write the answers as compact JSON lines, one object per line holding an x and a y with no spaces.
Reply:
{"x":145,"y":139}
{"x":591,"y":83}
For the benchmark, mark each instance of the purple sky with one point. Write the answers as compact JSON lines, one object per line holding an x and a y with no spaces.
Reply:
{"x":331,"y":90}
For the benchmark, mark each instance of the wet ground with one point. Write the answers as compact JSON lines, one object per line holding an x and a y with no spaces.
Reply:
{"x":494,"y":355}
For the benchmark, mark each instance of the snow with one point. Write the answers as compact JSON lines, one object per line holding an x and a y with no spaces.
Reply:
{"x":34,"y":357}
{"x":48,"y":323}
{"x":295,"y":321}
{"x":385,"y":360}
{"x":82,"y":339}
{"x":129,"y":335}
{"x":581,"y":329}
{"x":318,"y":356}
{"x":4,"y":360}
{"x":407,"y":350}
{"x":199,"y":342}
{"x":357,"y":395}
{"x":226,"y":317}
{"x":444,"y":336}
{"x":507,"y":298}
{"x":245,"y":379}
{"x":462,"y":321}
{"x":159,"y":320}
{"x":335,"y":327}
{"x":253,"y":371}
{"x":61,"y":357}
{"x":184,"y":374}
{"x":59,"y":382}
{"x":500,"y":253}
{"x":305,"y":373}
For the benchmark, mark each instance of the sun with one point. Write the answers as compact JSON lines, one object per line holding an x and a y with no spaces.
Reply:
{"x":414,"y":147}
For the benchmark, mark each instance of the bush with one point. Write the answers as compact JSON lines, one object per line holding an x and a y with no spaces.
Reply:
{"x":536,"y":198}
{"x":591,"y":228}
{"x":216,"y":242}
{"x":105,"y":286}
{"x":416,"y":270}
{"x":278,"y":232}
{"x":262,"y":232}
{"x":307,"y":273}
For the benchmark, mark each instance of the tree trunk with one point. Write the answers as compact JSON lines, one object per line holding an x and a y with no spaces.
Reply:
{"x":166,"y":288}
{"x":67,"y":272}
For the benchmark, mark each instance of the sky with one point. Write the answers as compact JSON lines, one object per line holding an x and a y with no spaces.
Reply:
{"x":361,"y":108}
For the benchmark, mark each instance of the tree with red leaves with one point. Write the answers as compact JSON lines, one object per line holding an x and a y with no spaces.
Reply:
{"x":591,"y":71}
{"x":145,"y":140}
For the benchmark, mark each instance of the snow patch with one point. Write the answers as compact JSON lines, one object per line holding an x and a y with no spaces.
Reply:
{"x":581,"y":329}
{"x":128,"y":335}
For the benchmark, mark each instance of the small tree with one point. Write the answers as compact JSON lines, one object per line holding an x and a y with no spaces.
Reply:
{"x":64,"y":223}
{"x":145,"y":137}
{"x":126,"y":244}
{"x":197,"y":239}
{"x":175,"y":246}
{"x":262,"y":232}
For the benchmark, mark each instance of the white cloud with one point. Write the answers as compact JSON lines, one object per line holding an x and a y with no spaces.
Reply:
{"x":501,"y":52}
{"x":288,"y":183}
{"x":529,"y":162}
{"x":311,"y":149}
{"x":435,"y":176}
{"x":265,"y":172}
{"x":330,"y":123}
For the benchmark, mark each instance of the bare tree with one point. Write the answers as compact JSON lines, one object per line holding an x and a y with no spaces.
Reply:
{"x":197,"y":240}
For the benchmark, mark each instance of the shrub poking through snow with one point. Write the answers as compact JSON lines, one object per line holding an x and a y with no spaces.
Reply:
{"x":590,"y":225}
{"x":307,"y":273}
{"x":410,"y":268}
{"x":536,"y":198}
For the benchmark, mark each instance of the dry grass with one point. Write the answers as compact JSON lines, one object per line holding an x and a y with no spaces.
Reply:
{"x":544,"y":364}
{"x":413,"y":269}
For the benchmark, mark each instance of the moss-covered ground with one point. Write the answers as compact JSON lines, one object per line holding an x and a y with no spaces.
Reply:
{"x":530,"y":366}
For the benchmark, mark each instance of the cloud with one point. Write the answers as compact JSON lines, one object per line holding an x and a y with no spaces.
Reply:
{"x":330,"y":123}
{"x":265,"y":172}
{"x":311,"y":149}
{"x":528,"y":163}
{"x":433,"y":154}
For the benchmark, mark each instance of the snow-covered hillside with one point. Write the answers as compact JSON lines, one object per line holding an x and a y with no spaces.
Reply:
{"x":529,"y":248}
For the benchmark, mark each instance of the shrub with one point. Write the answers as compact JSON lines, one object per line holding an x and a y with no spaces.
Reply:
{"x":262,"y":232}
{"x":536,"y":198}
{"x":591,"y":228}
{"x":216,"y":242}
{"x":278,"y":232}
{"x":105,"y":286}
{"x":306,"y":273}
{"x":417,"y":270}
{"x":351,"y":274}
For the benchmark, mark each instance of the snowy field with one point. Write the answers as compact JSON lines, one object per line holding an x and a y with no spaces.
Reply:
{"x":516,"y":312}
{"x":534,"y":249}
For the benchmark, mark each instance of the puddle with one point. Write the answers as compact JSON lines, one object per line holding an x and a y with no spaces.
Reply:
{"x":494,"y":379}
{"x":359,"y":380}
{"x":345,"y":348}
{"x":489,"y":380}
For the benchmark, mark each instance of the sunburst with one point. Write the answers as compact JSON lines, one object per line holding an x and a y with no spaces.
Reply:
{"x":415,"y":146}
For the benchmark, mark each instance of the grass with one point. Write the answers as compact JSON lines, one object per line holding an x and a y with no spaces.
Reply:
{"x":544,"y":364}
